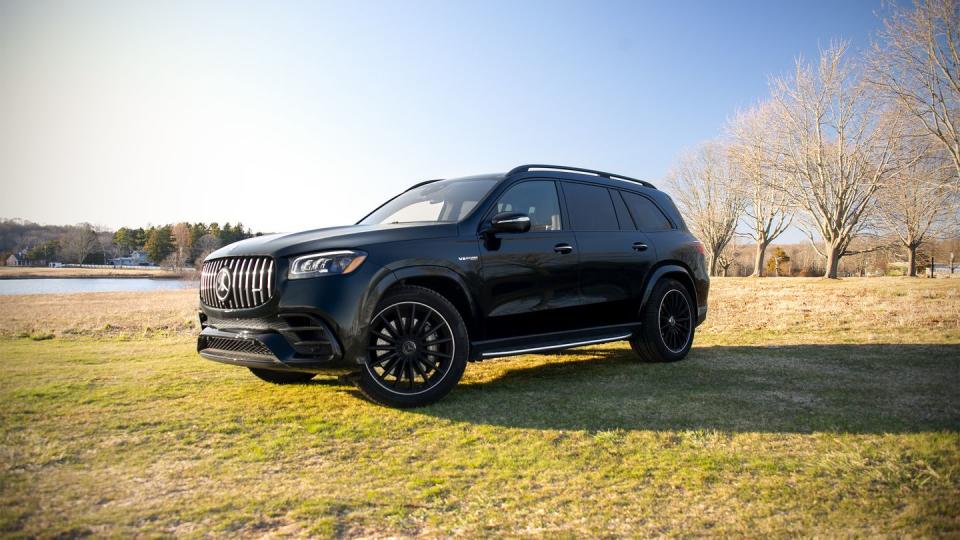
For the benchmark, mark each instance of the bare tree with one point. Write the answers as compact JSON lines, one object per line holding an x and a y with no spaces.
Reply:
{"x":708,"y":193}
{"x":206,"y":245}
{"x":917,"y":65}
{"x":917,"y":201}
{"x":79,"y":242}
{"x":768,"y":211}
{"x":833,"y":148}
{"x":182,"y":240}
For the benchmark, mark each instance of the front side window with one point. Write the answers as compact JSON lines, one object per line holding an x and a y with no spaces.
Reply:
{"x":591,"y":208}
{"x":538,"y":200}
{"x":445,"y":201}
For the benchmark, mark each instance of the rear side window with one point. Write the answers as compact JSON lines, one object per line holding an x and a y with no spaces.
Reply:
{"x":591,"y":208}
{"x":647,"y":216}
{"x":623,"y":216}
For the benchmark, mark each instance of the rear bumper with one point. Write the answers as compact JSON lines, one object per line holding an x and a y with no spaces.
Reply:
{"x":290,"y":343}
{"x":701,"y":314}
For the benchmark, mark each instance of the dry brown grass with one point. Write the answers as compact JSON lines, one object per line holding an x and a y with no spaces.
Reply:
{"x":27,"y":272}
{"x":815,"y":310}
{"x":788,"y":310}
{"x":114,"y":314}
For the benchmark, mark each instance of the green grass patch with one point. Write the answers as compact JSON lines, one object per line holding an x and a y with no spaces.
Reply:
{"x":142,"y":437}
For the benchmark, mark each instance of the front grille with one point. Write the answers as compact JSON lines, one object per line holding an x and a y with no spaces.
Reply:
{"x":237,"y":282}
{"x":237,"y":345}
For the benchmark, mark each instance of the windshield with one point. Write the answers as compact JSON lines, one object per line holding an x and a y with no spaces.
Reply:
{"x":445,"y":201}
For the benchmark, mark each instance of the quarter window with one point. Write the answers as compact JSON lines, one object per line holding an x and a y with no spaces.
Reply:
{"x":648,"y":217}
{"x":538,"y":200}
{"x":591,"y":208}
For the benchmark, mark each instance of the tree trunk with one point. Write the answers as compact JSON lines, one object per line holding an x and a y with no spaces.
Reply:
{"x":912,"y":261}
{"x":758,"y":261}
{"x":833,"y":262}
{"x":712,"y":264}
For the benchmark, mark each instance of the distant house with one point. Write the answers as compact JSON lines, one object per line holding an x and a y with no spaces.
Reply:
{"x":137,"y":258}
{"x":17,"y":259}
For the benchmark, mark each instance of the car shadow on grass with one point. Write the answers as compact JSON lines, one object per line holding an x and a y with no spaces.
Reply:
{"x":875,"y":388}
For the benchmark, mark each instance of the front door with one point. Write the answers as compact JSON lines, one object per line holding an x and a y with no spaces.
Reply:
{"x":528,"y":276}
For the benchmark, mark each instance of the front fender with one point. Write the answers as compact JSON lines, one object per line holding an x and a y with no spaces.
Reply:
{"x":392,"y":277}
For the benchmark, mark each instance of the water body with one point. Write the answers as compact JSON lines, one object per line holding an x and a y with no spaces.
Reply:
{"x":80,"y":285}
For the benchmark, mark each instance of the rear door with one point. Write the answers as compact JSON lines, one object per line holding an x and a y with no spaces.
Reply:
{"x":615,"y":257}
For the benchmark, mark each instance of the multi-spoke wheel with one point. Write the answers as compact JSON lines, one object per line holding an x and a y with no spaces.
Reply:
{"x":416,"y":349}
{"x":668,"y":324}
{"x":676,"y":322}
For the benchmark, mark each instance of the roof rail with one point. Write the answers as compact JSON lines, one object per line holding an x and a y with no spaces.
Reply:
{"x":425,"y":182}
{"x":525,"y":168}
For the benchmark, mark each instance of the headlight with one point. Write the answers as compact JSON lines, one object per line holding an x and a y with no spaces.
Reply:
{"x":321,"y":264}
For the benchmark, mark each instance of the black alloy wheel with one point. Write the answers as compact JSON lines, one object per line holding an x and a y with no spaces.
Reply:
{"x":667,"y":324}
{"x":417,"y":348}
{"x":676,"y":321}
{"x":411,"y":346}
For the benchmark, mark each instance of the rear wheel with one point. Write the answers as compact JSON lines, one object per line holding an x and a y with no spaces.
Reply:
{"x":282,"y":377}
{"x":668,"y":325}
{"x":417,"y":349}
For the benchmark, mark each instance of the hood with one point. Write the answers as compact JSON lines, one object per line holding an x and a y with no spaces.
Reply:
{"x":345,"y":237}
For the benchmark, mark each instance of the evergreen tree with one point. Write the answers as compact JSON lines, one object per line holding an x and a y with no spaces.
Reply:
{"x":158,"y":245}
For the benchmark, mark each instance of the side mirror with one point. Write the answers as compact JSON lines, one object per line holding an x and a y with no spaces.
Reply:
{"x":515,"y":222}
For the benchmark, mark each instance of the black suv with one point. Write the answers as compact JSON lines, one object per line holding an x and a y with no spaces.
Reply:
{"x":541,"y":258}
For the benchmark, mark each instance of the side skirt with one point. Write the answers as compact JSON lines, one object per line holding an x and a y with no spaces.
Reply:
{"x":553,"y":341}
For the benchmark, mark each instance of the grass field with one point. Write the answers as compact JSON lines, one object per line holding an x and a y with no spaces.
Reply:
{"x":807,"y":407}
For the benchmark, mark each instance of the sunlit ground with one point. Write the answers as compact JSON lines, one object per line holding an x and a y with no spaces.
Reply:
{"x":806,"y":407}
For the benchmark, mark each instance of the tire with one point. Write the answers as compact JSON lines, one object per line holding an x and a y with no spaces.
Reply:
{"x":667,"y":324}
{"x":282,"y":377}
{"x":417,"y":349}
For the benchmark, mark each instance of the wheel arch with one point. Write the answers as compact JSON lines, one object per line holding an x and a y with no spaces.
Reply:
{"x":673,"y":270}
{"x":444,"y":282}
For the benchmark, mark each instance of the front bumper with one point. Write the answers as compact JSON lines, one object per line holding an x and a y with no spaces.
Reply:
{"x":292,"y":342}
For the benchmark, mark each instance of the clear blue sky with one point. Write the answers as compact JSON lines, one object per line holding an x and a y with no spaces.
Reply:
{"x":128,"y":113}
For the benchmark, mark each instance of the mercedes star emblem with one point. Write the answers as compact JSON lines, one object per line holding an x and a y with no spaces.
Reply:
{"x":223,"y":284}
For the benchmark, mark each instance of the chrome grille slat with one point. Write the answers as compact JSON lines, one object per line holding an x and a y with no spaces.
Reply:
{"x":241,"y":285}
{"x":251,"y":283}
{"x":257,"y":289}
{"x":248,"y":301}
{"x":234,"y":265}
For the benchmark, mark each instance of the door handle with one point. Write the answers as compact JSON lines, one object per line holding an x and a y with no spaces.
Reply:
{"x":563,"y":249}
{"x":639,"y":246}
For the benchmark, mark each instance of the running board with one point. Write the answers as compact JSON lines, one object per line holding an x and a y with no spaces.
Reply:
{"x":554,"y":341}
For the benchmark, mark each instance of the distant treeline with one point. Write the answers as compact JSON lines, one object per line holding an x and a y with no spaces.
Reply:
{"x":176,"y":245}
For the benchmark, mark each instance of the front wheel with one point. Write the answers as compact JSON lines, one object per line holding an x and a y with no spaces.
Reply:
{"x":668,"y":326}
{"x":417,"y":349}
